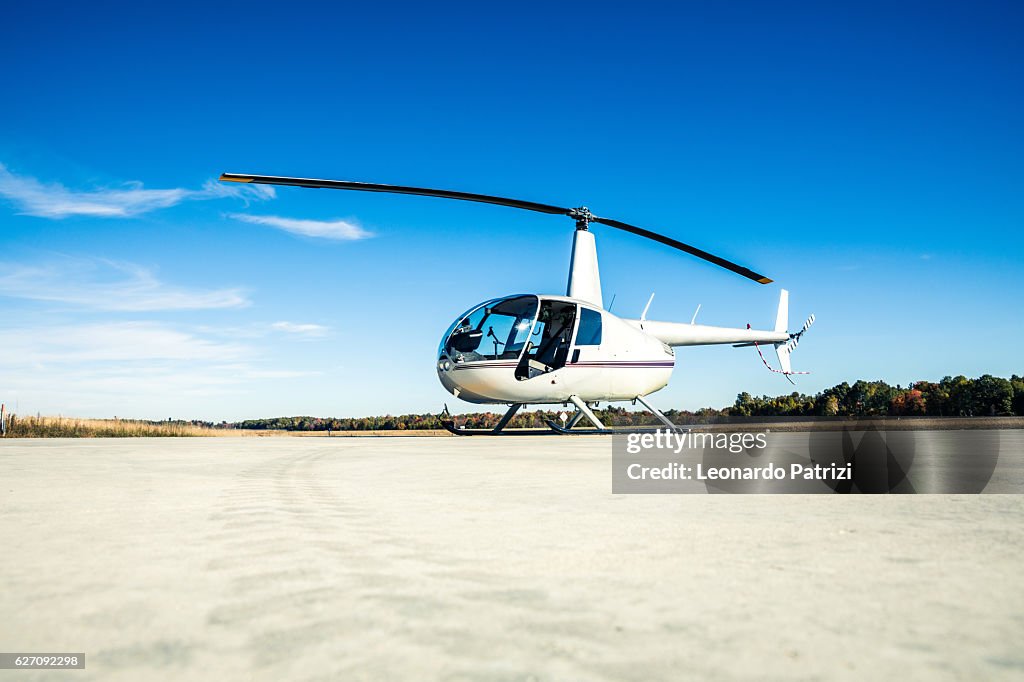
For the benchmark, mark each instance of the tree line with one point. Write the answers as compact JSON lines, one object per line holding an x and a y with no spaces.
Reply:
{"x":986,"y":396}
{"x":952,"y":397}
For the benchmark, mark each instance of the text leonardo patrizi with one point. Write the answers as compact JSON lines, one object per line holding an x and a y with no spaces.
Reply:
{"x":675,"y":442}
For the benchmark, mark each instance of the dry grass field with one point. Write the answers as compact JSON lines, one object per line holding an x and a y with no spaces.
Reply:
{"x":73,"y":427}
{"x":70,"y":427}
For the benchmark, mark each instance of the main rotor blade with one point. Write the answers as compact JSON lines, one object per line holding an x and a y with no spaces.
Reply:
{"x":394,"y":189}
{"x":575,"y":213}
{"x":692,"y":250}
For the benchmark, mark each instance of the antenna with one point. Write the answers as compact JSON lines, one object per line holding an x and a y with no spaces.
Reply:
{"x":643,"y":315}
{"x":693,"y":320}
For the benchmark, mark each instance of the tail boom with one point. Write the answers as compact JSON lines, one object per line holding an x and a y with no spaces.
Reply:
{"x":682,"y":334}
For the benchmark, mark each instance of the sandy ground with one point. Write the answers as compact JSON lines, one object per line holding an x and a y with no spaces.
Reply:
{"x":482,"y":559}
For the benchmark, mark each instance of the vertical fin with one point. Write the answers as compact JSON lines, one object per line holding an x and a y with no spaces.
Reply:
{"x":782,"y":318}
{"x":784,"y":349}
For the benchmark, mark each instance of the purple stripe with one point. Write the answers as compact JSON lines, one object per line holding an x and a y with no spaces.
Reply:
{"x":584,"y":365}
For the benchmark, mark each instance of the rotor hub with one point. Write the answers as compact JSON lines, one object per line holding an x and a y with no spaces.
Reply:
{"x":582,"y":215}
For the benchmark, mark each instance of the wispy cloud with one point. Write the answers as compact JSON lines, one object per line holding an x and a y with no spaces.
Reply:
{"x":327,"y":229}
{"x":248,"y":371}
{"x":108,"y":285}
{"x":53,"y":200}
{"x":219,"y":190}
{"x":111,"y":341}
{"x":300,"y":329}
{"x":137,"y":368}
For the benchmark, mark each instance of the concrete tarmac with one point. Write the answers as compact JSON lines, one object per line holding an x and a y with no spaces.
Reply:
{"x":483,"y":559}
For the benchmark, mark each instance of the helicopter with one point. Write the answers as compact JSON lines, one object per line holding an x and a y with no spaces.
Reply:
{"x":542,"y":349}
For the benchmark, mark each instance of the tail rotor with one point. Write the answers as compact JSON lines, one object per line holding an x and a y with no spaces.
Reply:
{"x":784,"y":349}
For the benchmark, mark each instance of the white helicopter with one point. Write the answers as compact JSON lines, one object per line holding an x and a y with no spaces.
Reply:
{"x":542,"y":349}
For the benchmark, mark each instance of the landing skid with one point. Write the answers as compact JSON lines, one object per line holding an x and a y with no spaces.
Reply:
{"x":563,"y":431}
{"x":582,"y":410}
{"x":555,"y":430}
{"x":451,"y":427}
{"x":499,"y":430}
{"x":569,"y":431}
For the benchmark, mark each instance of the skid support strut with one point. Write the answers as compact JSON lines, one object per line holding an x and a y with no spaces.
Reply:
{"x":657,"y":413}
{"x":582,"y":407}
{"x":507,"y":418}
{"x":574,"y":419}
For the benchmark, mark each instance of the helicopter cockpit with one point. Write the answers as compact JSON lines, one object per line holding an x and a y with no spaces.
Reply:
{"x":533,"y":333}
{"x":496,"y":330}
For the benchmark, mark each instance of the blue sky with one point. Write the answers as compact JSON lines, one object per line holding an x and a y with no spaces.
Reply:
{"x":867,"y":156}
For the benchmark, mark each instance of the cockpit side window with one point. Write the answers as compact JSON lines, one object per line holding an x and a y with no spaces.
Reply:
{"x":549,"y":343}
{"x":589,"y":333}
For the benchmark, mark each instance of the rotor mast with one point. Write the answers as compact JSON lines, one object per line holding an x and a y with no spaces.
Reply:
{"x":584,"y":276}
